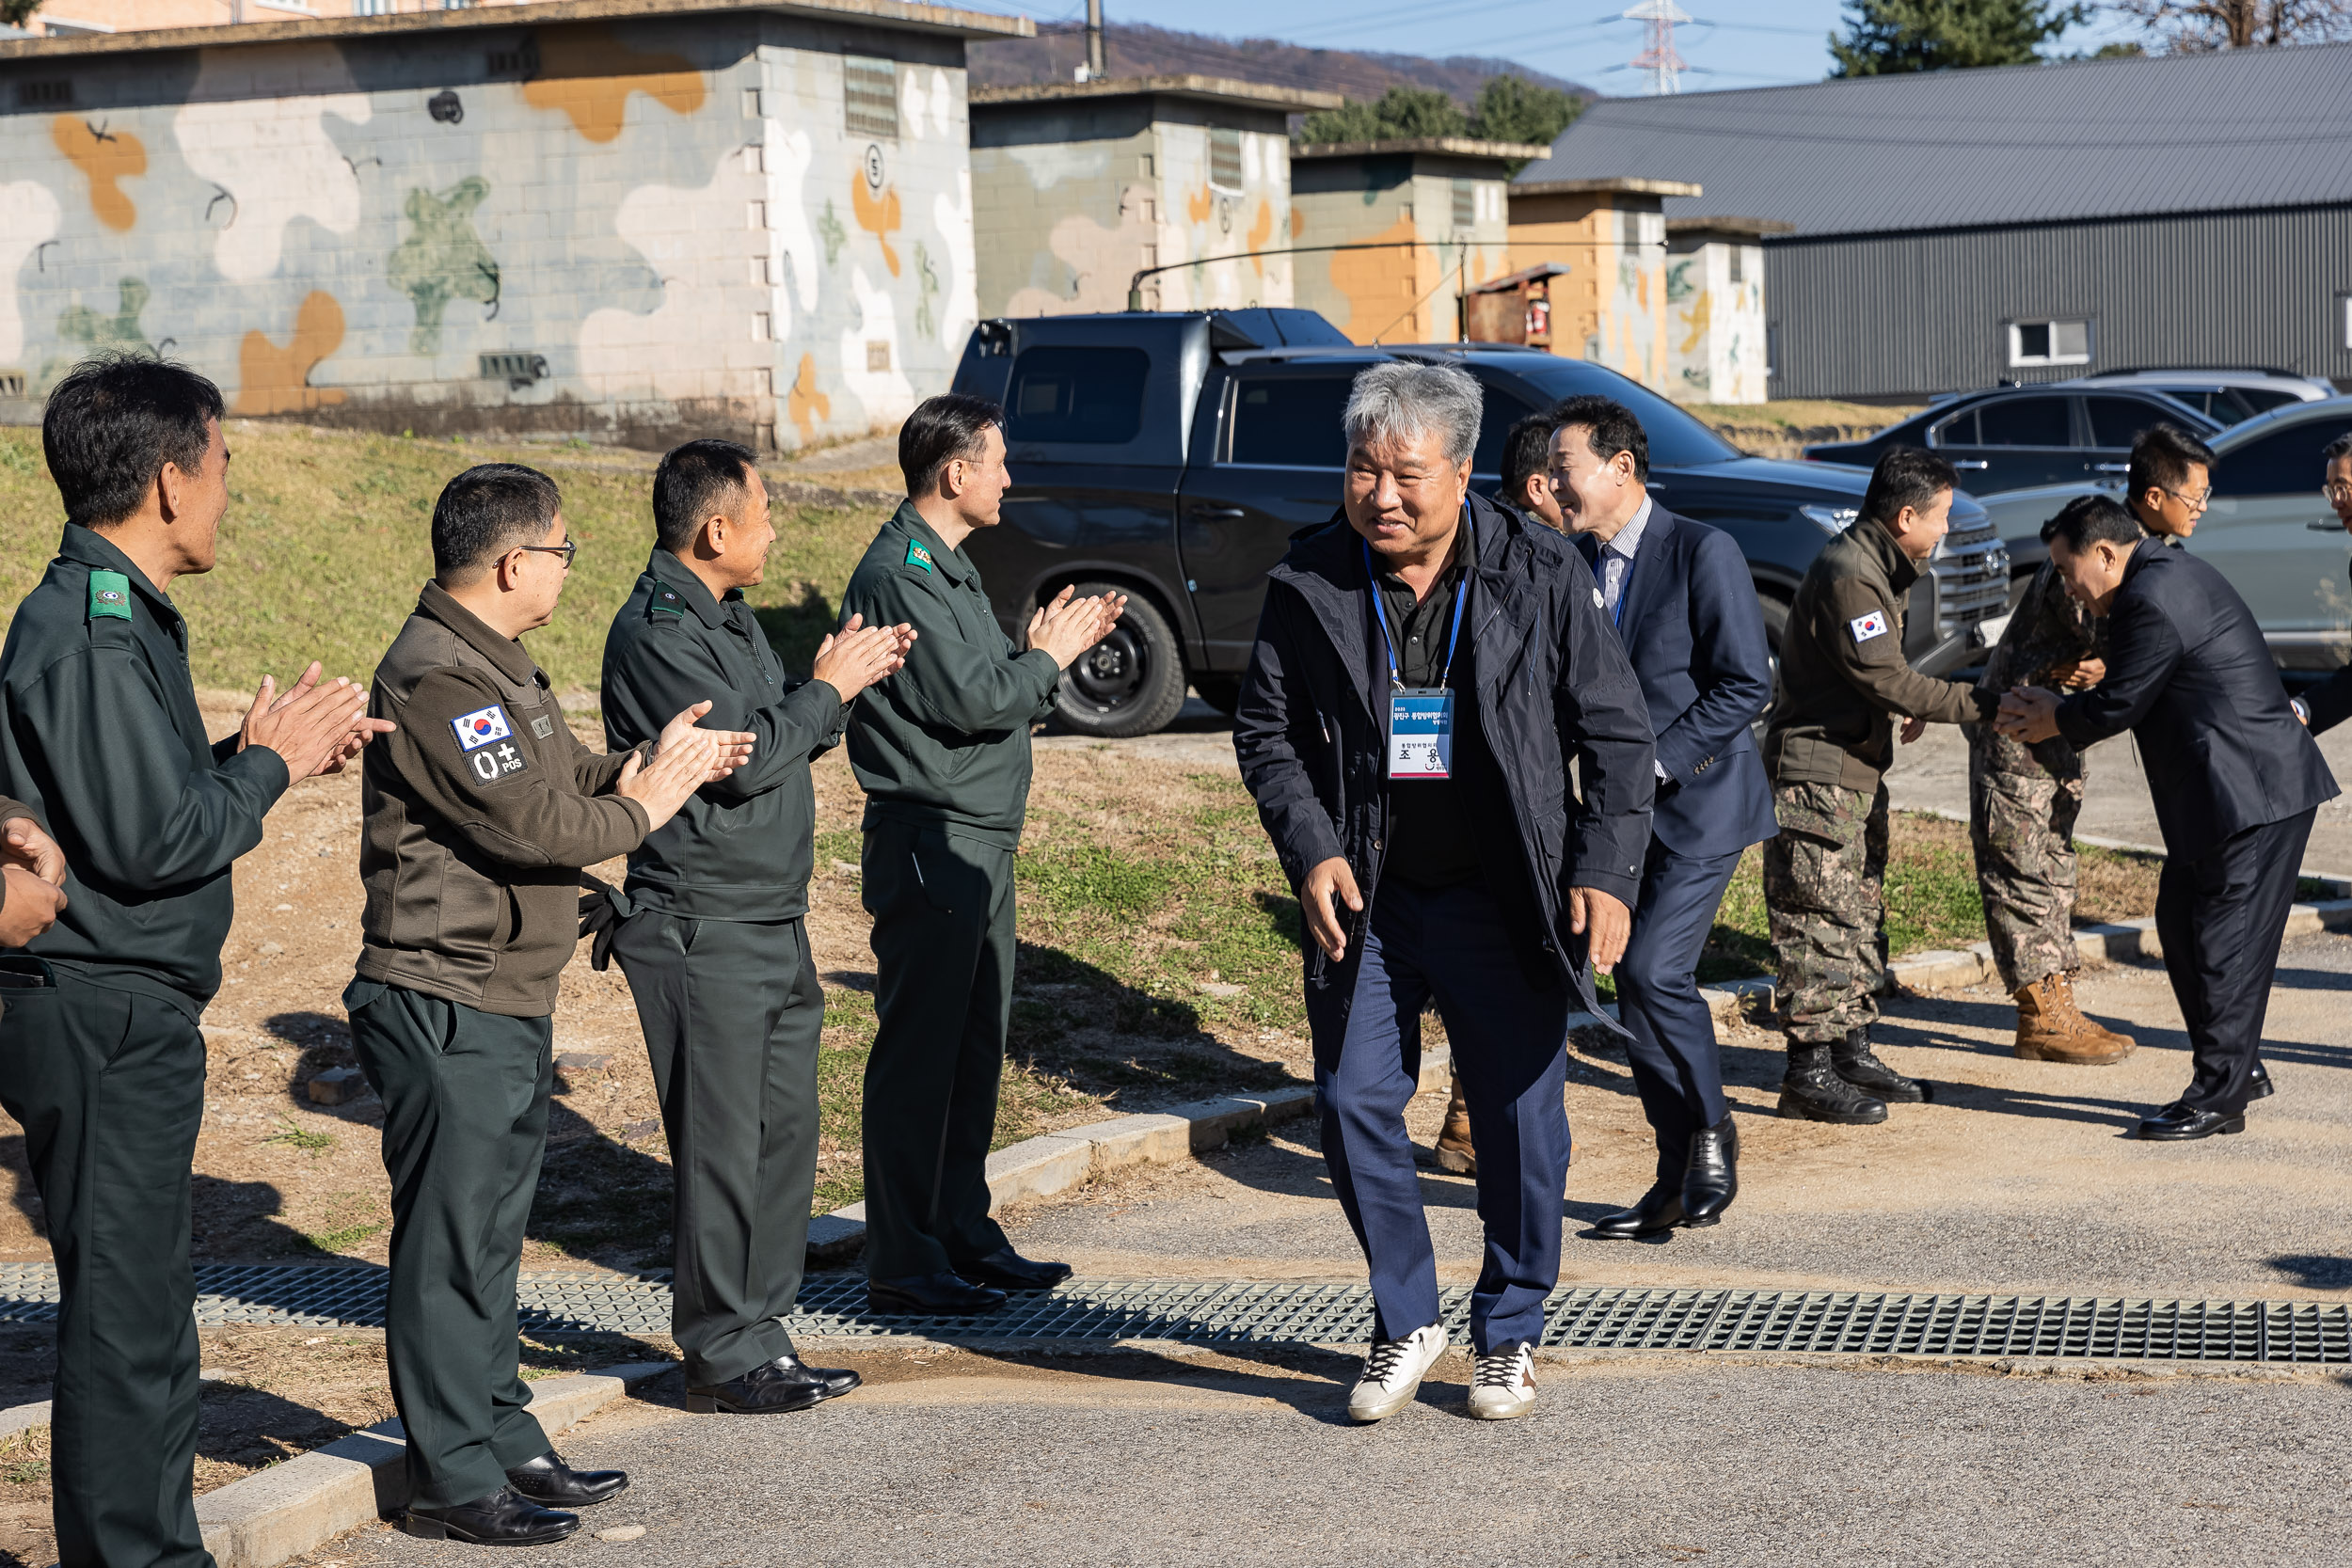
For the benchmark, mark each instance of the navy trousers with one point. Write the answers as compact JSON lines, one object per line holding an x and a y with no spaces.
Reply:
{"x":1677,"y":1069}
{"x":2220,"y":917}
{"x":1450,"y":946}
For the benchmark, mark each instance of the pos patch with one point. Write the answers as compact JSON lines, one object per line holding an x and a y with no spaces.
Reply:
{"x":1867,"y":627}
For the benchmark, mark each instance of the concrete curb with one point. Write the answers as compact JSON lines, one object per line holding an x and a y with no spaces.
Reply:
{"x":2130,"y":941}
{"x":293,"y":1507}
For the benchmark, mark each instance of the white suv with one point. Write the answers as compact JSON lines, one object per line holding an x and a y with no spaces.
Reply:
{"x":2225,"y":396}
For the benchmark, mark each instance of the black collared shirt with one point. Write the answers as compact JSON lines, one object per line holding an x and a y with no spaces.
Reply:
{"x":1432,"y":837}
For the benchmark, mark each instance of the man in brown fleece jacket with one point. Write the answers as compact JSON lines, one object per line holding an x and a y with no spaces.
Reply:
{"x":479,"y":818}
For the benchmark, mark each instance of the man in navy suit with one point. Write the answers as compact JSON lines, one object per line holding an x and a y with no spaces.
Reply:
{"x":2235,"y":777}
{"x":1686,"y":610}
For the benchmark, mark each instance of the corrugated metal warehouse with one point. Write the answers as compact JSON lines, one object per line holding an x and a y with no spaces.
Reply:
{"x":2028,"y":223}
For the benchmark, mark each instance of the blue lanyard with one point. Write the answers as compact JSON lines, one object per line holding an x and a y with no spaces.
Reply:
{"x":1453,"y":633}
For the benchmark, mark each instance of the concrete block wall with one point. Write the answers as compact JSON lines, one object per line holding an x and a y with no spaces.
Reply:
{"x":1610,"y":308}
{"x":622,"y":229}
{"x":1411,"y":293}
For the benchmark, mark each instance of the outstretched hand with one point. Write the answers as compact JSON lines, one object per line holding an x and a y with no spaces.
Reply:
{"x":2029,"y":713}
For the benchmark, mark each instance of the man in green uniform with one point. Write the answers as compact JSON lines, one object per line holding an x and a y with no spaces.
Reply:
{"x":711,"y":932}
{"x":943,"y":752}
{"x":100,"y":1056}
{"x":2023,"y":803}
{"x":1827,"y":749}
{"x":479,"y":811}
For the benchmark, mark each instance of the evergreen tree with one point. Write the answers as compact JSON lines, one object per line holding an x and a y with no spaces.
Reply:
{"x":1887,"y":37}
{"x":1401,"y":112}
{"x":1512,"y":108}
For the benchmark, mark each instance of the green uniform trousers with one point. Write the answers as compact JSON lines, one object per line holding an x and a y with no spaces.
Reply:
{"x":465,"y":1124}
{"x":1825,"y":896}
{"x":942,"y":905}
{"x":732,"y":1013}
{"x":109,"y":1088}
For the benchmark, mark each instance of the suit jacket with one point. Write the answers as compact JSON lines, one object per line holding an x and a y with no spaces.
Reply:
{"x":1693,"y":630}
{"x":2189,"y":675}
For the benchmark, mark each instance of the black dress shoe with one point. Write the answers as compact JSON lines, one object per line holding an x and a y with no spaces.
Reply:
{"x":2177,"y":1123}
{"x":771,"y":1389}
{"x":1659,"y":1208}
{"x":1008,"y":1271}
{"x":931,"y":1295}
{"x":2258,"y":1084}
{"x":551,"y":1483}
{"x":1712,"y":1180}
{"x":501,"y":1519}
{"x":1853,"y":1060}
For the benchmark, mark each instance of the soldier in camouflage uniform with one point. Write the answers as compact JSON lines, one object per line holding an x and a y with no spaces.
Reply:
{"x":2022,"y":802}
{"x":1832,"y":737}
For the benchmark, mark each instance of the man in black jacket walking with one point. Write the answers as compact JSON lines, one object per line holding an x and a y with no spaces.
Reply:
{"x":1426,"y":666}
{"x":2235,"y":777}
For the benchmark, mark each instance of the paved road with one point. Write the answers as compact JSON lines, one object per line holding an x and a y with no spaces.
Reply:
{"x":2017,"y":1179}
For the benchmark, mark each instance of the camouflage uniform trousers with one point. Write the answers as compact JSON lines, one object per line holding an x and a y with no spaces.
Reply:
{"x":1824,"y":882}
{"x":2021,"y":820}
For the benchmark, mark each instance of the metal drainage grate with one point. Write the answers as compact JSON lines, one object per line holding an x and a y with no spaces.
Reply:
{"x":1233,"y":1312}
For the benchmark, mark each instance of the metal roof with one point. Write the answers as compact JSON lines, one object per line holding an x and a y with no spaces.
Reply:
{"x":2017,"y":144}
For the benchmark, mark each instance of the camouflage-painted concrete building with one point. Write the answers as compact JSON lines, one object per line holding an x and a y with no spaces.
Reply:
{"x":1435,"y":205}
{"x":1611,"y":233}
{"x":1716,"y":342}
{"x":1076,"y":186}
{"x":631,"y":219}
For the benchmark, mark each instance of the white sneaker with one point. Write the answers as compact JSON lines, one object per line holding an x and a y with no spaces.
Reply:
{"x":1503,"y":1385}
{"x":1392,"y":1373}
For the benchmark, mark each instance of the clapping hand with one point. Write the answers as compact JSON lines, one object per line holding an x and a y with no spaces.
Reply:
{"x":857,"y":655}
{"x":729,"y":749}
{"x":1066,"y":626}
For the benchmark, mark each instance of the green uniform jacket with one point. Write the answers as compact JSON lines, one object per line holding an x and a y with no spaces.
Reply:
{"x":740,"y":848}
{"x":944,"y":742}
{"x":104,"y":744}
{"x":1842,"y":672}
{"x":479,"y":811}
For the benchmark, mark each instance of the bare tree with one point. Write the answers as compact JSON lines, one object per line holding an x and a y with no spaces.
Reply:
{"x":2194,"y":26}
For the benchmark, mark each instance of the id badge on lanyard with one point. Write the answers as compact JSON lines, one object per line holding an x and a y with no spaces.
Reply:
{"x":1420,"y":732}
{"x":1421,"y":719}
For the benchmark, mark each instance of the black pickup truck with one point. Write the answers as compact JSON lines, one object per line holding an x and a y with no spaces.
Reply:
{"x":1172,"y":455}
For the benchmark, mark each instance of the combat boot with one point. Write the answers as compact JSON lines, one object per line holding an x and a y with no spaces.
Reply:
{"x":2122,"y":1043}
{"x":2050,"y":1028}
{"x":1814,"y":1092}
{"x":1853,"y":1061}
{"x":1454,"y":1152}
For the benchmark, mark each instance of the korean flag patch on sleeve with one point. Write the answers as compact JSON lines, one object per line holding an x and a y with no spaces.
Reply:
{"x":1867,"y":627}
{"x":481,"y":727}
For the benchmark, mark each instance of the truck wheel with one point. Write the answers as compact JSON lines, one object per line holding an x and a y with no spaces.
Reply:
{"x":1775,"y":627}
{"x":1129,"y":684}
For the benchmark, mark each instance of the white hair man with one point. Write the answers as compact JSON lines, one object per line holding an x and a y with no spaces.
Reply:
{"x":1426,"y":666}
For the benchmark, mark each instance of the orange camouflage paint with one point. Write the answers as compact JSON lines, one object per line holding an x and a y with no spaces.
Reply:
{"x":274,"y":380}
{"x":105,"y":158}
{"x":588,"y":73}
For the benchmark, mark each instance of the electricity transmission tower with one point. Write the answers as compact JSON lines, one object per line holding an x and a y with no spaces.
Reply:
{"x":1658,"y":58}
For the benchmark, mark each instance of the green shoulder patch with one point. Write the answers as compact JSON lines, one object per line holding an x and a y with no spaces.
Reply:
{"x":665,"y":600}
{"x":109,"y":595}
{"x":917,"y":555}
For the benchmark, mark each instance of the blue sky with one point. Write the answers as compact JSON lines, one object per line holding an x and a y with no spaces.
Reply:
{"x":1750,"y":43}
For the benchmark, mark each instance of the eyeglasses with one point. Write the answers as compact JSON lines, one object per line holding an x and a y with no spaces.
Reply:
{"x":568,"y":549}
{"x":2340,"y":490}
{"x":2193,"y":501}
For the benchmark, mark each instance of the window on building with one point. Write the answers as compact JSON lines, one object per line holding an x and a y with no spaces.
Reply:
{"x":870,"y":97}
{"x":1088,"y":395}
{"x":2344,"y":320}
{"x":1465,"y":203}
{"x":1738,"y":263}
{"x":2026,"y":422}
{"x":1290,"y":421}
{"x":1225,"y":159}
{"x":2049,"y":342}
